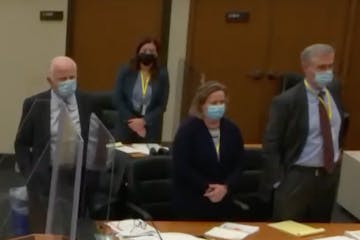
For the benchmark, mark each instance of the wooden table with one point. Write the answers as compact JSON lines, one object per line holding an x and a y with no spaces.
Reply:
{"x":265,"y":232}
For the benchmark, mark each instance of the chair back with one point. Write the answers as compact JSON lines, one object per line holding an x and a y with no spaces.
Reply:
{"x":290,"y":79}
{"x":150,"y":185}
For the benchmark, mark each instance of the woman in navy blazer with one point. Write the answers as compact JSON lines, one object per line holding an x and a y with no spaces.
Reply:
{"x":207,"y":153}
{"x":141,"y":95}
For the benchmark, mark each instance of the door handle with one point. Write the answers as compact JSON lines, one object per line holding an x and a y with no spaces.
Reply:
{"x":273,"y":75}
{"x":256,"y":74}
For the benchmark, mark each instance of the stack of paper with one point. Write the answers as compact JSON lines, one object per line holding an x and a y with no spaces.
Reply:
{"x":142,"y":148}
{"x":334,"y":238}
{"x":240,"y":227}
{"x":353,"y":234}
{"x":295,"y":228}
{"x":137,"y":229}
{"x":348,"y":235}
{"x":231,"y":231}
{"x":131,"y":228}
{"x":166,"y":236}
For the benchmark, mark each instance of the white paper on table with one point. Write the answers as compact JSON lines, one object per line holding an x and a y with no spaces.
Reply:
{"x":145,"y":147}
{"x":353,"y":234}
{"x":142,"y":148}
{"x":127,"y":149}
{"x":240,"y":227}
{"x":223,"y":233}
{"x":167,"y":236}
{"x":334,"y":238}
{"x":129,"y":228}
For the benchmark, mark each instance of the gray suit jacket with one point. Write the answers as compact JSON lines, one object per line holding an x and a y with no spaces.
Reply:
{"x":286,"y":133}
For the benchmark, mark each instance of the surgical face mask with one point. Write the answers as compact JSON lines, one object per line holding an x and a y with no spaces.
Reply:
{"x":146,"y":58}
{"x":215,"y":112}
{"x":322,"y":79}
{"x":66,"y":88}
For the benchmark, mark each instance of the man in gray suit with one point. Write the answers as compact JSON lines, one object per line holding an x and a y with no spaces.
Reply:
{"x":302,"y":142}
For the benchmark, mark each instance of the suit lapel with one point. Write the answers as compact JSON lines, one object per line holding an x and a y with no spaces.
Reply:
{"x":154,"y":87}
{"x":47,"y":115}
{"x":130,"y":83}
{"x":333,"y":89}
{"x":302,"y":111}
{"x":82,"y":115}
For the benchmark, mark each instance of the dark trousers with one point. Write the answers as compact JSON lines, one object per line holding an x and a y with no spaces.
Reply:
{"x":306,"y":194}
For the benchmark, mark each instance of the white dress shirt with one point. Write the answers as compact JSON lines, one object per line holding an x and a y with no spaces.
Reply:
{"x":55,"y":106}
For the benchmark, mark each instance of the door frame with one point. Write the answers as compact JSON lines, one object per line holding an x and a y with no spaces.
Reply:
{"x":165,"y":29}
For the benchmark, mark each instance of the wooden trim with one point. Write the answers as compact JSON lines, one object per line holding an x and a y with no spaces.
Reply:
{"x":165,"y":31}
{"x":40,"y":237}
{"x":190,"y":30}
{"x":348,"y":40}
{"x":69,"y":28}
{"x":188,"y":68}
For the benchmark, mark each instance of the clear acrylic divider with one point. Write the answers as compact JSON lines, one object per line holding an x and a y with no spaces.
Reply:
{"x":24,"y":196}
{"x":65,"y":188}
{"x":100,"y":162}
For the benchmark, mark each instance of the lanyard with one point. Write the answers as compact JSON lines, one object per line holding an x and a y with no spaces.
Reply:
{"x":217,"y":146}
{"x":328,"y":107}
{"x":144,"y":83}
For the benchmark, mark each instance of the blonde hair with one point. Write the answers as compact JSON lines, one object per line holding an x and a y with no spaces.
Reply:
{"x":202,"y":94}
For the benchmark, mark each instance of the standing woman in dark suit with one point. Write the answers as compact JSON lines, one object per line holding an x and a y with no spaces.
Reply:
{"x":208,"y":155}
{"x":141,"y":95}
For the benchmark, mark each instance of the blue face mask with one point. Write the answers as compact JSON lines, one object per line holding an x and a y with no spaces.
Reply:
{"x":215,"y":112}
{"x":66,"y":88}
{"x":322,"y":79}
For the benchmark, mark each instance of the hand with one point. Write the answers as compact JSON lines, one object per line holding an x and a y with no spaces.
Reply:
{"x":142,"y":133}
{"x":216,"y":192}
{"x":136,"y":124}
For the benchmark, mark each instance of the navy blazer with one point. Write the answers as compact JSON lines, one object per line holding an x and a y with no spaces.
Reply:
{"x":286,"y":132}
{"x":125,"y":82}
{"x":196,"y":164}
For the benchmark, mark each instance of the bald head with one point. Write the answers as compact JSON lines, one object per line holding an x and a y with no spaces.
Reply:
{"x":61,"y":68}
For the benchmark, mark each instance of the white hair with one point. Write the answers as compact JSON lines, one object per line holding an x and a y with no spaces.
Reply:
{"x":315,"y":49}
{"x":60,"y":62}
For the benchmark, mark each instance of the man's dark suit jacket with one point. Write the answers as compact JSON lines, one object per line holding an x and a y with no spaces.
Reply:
{"x":196,"y":165}
{"x":286,"y":132}
{"x":33,"y":137}
{"x":125,"y":82}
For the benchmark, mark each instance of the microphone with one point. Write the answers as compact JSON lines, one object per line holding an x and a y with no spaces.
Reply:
{"x":156,"y":229}
{"x":146,"y":216}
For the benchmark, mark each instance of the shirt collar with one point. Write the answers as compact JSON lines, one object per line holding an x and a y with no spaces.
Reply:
{"x":312,"y":90}
{"x":70,"y":102}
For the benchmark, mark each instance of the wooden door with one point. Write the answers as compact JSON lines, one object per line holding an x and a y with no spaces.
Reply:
{"x":249,"y":57}
{"x":104,"y":34}
{"x":351,"y":81}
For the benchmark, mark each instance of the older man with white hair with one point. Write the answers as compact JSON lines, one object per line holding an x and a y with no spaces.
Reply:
{"x":39,"y":126}
{"x":302,"y":142}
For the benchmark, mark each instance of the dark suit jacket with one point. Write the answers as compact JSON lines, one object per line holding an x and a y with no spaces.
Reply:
{"x":125,"y":81}
{"x":286,"y":132}
{"x":196,"y":164}
{"x":33,"y":137}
